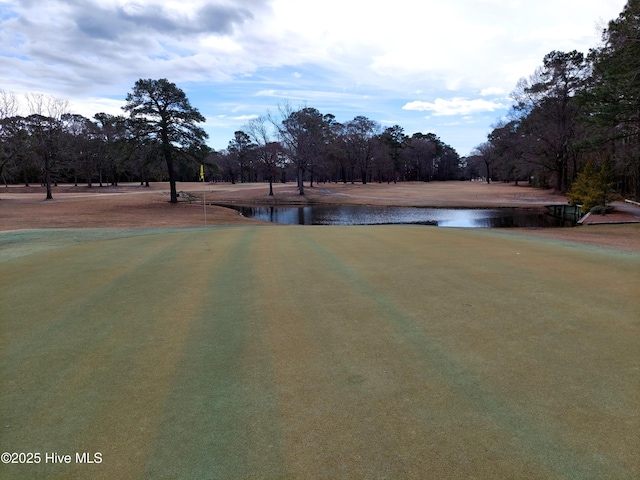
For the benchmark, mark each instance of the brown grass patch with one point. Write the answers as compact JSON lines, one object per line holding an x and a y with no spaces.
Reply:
{"x":134,"y":206}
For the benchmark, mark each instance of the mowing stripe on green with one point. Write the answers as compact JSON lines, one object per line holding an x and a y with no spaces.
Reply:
{"x":76,"y":359}
{"x":533,"y":437}
{"x":307,"y":352}
{"x":217,"y":401}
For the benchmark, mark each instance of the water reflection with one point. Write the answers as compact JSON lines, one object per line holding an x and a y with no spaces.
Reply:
{"x":374,"y":215}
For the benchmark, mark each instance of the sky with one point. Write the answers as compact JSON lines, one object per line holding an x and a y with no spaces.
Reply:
{"x":432,"y":66}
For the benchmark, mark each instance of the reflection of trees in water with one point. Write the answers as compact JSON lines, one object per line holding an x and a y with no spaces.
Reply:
{"x":372,"y":215}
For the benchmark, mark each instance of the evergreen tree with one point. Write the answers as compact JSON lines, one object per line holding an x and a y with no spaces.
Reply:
{"x":166,"y":116}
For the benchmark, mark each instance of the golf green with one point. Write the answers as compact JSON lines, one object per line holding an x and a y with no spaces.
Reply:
{"x":317,"y":352}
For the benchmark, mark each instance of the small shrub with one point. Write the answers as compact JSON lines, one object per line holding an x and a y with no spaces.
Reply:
{"x":592,"y":187}
{"x":602,"y":209}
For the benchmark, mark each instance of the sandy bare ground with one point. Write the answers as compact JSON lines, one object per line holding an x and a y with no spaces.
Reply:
{"x":132,"y":205}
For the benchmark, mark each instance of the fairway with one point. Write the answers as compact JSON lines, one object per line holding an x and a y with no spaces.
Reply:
{"x":318,"y":352}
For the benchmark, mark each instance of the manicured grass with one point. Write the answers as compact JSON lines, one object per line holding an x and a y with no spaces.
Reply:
{"x":319,"y":352}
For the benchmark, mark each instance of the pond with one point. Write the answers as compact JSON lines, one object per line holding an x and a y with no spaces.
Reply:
{"x":376,"y":215}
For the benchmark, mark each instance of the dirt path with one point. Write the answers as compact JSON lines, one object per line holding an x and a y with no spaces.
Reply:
{"x":132,"y":205}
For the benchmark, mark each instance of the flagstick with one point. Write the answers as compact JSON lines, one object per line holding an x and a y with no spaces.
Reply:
{"x":204,"y":204}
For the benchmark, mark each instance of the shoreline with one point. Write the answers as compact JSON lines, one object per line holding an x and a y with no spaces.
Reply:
{"x":130,"y":205}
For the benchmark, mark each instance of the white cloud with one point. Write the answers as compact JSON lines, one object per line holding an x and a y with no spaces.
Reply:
{"x":245,"y":118}
{"x":216,"y":43}
{"x":269,"y":93}
{"x":490,"y":91}
{"x":455,"y":106}
{"x":342,"y":57}
{"x":88,"y":107}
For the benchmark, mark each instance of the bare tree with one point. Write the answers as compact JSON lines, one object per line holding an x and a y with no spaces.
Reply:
{"x":45,"y":127}
{"x":485,"y":154}
{"x":47,"y":105}
{"x":228,"y":165}
{"x":9,"y":105}
{"x":301,"y":134}
{"x":117,"y":146}
{"x":266,"y":149}
{"x":420,"y":156}
{"x":360,"y":138}
{"x":8,"y":110}
{"x":82,"y":145}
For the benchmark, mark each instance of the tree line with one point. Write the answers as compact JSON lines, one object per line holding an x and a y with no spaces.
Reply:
{"x":51,"y":145}
{"x":160,"y":140}
{"x":575,"y":122}
{"x":306,"y":145}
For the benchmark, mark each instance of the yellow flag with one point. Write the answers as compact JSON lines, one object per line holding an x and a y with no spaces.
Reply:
{"x":202,"y":172}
